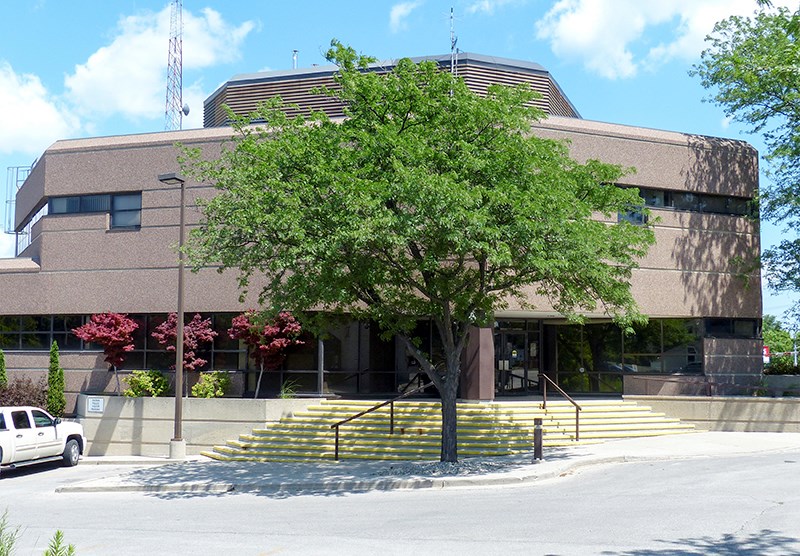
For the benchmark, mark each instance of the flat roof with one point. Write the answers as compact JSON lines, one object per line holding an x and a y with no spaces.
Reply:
{"x":464,"y":58}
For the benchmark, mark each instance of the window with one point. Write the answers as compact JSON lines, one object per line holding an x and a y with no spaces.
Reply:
{"x":20,"y":419}
{"x":695,"y":202}
{"x":732,"y":328}
{"x":41,"y":419}
{"x":125,"y":208}
{"x":38,"y":332}
{"x":2,"y":422}
{"x":126,"y":211}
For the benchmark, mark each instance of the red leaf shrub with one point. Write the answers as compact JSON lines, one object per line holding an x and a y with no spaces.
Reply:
{"x":113,"y":331}
{"x":196,"y":332}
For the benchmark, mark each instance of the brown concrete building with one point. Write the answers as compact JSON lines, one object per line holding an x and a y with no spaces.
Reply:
{"x":96,"y":231}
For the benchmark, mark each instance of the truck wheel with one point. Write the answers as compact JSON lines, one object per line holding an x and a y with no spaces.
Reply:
{"x":71,"y":453}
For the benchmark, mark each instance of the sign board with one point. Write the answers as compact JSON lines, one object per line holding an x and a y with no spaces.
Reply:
{"x":766,"y":354}
{"x":95,"y":405}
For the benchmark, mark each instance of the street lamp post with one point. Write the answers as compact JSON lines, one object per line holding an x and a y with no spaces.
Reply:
{"x":177,"y":446}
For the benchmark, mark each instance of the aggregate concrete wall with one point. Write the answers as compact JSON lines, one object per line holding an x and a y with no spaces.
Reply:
{"x":741,"y":414}
{"x":120,"y":426}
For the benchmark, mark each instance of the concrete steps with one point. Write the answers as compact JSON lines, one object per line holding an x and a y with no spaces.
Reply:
{"x":484,"y":429}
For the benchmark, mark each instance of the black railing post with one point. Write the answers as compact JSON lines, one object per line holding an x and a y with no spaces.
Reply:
{"x":336,"y":445}
{"x":544,"y":391}
{"x":391,"y":418}
{"x":577,"y":426}
{"x":537,"y":438}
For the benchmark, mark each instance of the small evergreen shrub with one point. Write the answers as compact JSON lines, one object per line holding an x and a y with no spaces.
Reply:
{"x":211,"y":385}
{"x":3,"y":373}
{"x":146,"y":383}
{"x":56,"y":400}
{"x":24,"y":391}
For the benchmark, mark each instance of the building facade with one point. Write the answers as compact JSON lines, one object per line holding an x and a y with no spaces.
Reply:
{"x":96,"y":231}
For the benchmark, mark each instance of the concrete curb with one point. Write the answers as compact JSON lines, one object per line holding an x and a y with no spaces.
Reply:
{"x":282,"y":479}
{"x":363,"y":485}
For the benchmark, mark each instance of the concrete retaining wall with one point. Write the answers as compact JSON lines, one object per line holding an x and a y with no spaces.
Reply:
{"x":120,"y":426}
{"x":743,"y":414}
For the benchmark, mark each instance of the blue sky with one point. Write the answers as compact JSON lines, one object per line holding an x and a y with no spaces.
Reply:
{"x":98,"y":67}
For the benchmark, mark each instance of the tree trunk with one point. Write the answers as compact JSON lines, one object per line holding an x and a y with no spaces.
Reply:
{"x":116,"y":375}
{"x":258,"y":382}
{"x":448,"y":392}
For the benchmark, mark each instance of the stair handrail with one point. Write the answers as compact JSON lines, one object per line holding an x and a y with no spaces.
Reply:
{"x":375,"y":407}
{"x":578,"y":408}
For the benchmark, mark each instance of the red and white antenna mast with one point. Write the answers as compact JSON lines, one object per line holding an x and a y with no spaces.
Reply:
{"x":175,"y":109}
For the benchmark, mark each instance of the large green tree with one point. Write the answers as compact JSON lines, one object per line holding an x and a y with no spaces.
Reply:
{"x":753,"y":65}
{"x":426,"y":201}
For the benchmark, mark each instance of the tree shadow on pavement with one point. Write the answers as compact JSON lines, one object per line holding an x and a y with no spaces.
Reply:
{"x":283,"y":480}
{"x":761,"y":543}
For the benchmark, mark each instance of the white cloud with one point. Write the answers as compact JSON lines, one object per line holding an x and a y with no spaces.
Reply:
{"x":487,"y":6}
{"x":399,"y":13}
{"x":7,"y":245}
{"x":613,"y":38}
{"x":32,"y":117}
{"x":128,"y":75}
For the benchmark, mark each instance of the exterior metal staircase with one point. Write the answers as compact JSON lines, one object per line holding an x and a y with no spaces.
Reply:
{"x":484,"y":429}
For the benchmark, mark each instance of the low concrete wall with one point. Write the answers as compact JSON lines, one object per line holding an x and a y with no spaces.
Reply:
{"x":120,"y":426}
{"x":779,"y":384}
{"x":743,"y":414}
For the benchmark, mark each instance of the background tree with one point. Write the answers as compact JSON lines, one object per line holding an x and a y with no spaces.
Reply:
{"x":3,"y":373}
{"x":753,"y":63}
{"x":775,"y":335}
{"x":56,"y":400}
{"x":267,"y":338}
{"x":112,"y":331}
{"x":428,"y":200}
{"x":196,"y":333}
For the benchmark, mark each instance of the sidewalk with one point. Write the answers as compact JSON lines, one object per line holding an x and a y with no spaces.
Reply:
{"x":202,"y":475}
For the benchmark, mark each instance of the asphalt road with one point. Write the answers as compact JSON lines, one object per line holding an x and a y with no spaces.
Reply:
{"x":719,"y":506}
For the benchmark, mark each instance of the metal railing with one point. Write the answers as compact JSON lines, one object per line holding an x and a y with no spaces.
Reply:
{"x":578,"y":408}
{"x":390,"y":403}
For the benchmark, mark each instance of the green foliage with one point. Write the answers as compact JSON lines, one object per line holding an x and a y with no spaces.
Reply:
{"x":8,"y":536}
{"x":775,"y":336}
{"x":781,"y":365}
{"x":24,"y":391}
{"x":57,"y":546}
{"x":56,"y":400}
{"x":753,"y":64}
{"x":288,"y":390}
{"x":427,"y":200}
{"x":3,"y":373}
{"x":211,"y":385}
{"x":146,"y":383}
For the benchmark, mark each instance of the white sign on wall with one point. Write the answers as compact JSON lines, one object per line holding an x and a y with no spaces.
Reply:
{"x":95,"y":405}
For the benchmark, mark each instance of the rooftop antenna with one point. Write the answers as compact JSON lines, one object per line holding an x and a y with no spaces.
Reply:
{"x":175,"y":109}
{"x":453,"y":42}
{"x":294,"y":59}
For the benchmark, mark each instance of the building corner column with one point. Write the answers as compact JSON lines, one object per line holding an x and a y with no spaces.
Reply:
{"x":477,"y":378}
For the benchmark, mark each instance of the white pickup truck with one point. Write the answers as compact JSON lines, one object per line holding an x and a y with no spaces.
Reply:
{"x":31,"y":435}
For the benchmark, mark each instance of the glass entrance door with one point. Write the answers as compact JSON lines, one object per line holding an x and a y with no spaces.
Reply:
{"x":516,"y":361}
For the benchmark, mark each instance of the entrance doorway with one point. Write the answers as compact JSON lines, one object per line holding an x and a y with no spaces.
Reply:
{"x":516,"y":352}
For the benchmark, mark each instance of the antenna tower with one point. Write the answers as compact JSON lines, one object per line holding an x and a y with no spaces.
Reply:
{"x":173,"y":114}
{"x":453,"y":42}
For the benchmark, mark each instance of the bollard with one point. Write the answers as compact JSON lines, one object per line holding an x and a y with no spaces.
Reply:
{"x":537,"y":439}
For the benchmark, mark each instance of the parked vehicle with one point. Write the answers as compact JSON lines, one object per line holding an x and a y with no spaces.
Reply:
{"x":30,"y":435}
